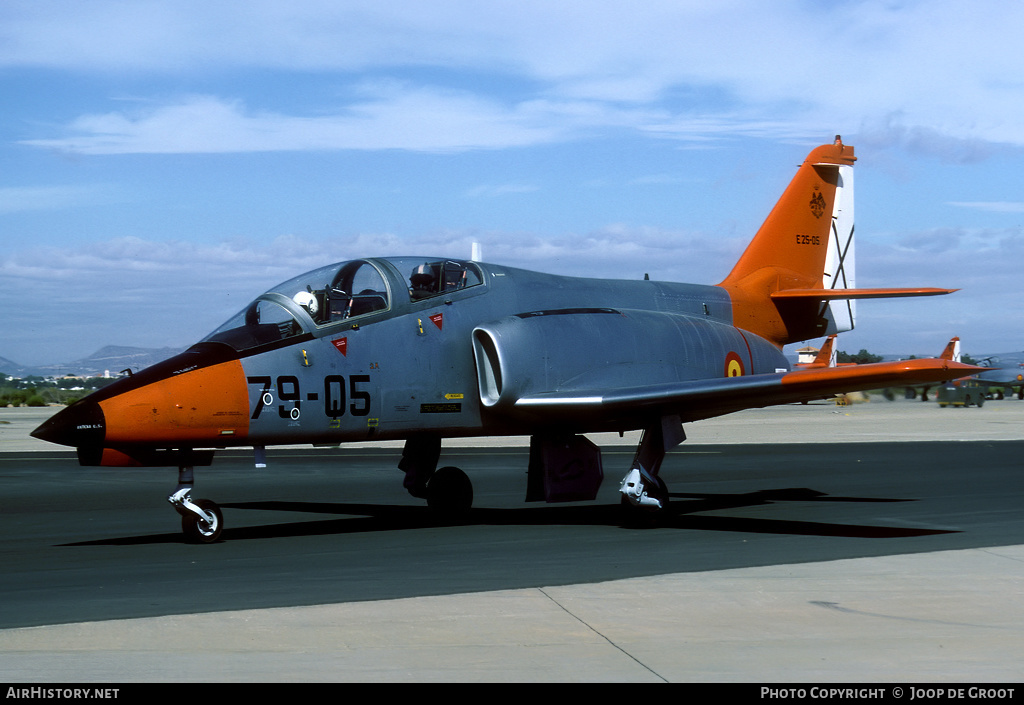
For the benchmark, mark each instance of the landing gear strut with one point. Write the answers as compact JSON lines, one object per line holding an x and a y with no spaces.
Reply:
{"x":644,"y":494}
{"x":201,"y":519}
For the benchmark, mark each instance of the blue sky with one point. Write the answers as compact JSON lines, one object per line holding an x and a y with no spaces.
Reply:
{"x":161,"y":163}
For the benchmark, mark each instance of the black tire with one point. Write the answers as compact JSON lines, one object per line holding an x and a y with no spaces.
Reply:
{"x":198,"y":531}
{"x":450,"y":491}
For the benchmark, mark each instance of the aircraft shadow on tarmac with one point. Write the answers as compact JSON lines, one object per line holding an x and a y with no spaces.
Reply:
{"x":364,"y":518}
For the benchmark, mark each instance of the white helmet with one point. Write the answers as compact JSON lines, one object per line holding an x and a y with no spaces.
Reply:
{"x":307,"y":301}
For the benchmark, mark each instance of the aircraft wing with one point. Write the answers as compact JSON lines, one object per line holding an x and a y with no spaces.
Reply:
{"x":706,"y":398}
{"x":843,"y":294}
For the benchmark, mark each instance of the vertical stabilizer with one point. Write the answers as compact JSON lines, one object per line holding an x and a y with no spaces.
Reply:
{"x":827,"y":355}
{"x":952,"y":350}
{"x":795,"y":281}
{"x":806,"y":243}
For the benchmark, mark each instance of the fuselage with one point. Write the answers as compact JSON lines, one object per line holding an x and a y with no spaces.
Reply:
{"x":388,"y":348}
{"x":1009,"y":369}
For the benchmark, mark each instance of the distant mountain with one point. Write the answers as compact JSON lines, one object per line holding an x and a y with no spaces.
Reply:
{"x":10,"y":367}
{"x":112,"y":358}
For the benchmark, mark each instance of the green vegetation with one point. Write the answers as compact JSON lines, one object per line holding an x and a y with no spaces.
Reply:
{"x":861,"y":358}
{"x":40,"y":391}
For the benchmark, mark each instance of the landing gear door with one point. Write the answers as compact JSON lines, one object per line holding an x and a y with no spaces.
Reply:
{"x":563,"y":469}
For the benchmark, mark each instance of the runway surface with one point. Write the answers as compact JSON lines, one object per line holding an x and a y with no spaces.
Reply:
{"x":818,"y":557}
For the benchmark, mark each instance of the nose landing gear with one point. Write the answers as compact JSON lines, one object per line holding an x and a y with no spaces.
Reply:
{"x":201,"y":519}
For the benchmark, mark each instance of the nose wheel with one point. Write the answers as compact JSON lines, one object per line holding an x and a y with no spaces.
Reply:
{"x":205,"y":529}
{"x":201,"y":519}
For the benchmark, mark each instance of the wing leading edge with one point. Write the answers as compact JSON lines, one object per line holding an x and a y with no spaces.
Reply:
{"x":701,"y":399}
{"x":847,"y":294}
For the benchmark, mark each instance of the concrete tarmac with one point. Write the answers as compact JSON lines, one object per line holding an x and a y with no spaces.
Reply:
{"x":948,"y":616}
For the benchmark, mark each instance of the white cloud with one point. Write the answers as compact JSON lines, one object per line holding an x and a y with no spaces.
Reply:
{"x":691,"y":70}
{"x":417,"y":119}
{"x":398,"y":117}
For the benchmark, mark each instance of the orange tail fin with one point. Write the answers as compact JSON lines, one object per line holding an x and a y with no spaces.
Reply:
{"x":827,"y":355}
{"x":795,"y":281}
{"x":952,"y":350}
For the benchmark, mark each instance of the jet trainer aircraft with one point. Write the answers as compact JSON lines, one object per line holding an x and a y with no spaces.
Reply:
{"x":1006,"y":371}
{"x":421,"y":348}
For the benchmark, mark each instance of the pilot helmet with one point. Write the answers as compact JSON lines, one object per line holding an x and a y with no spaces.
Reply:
{"x":422,"y":276}
{"x":307,"y":301}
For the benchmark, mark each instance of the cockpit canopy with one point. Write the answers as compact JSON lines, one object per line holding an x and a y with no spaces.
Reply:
{"x":341,"y":292}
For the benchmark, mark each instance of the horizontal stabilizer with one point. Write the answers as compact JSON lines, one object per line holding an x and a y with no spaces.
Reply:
{"x":843,"y":294}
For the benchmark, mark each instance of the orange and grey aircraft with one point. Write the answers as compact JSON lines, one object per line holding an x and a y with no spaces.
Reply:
{"x":426,"y":348}
{"x":1004,"y":371}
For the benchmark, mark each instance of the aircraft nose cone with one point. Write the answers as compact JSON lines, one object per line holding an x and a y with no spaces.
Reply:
{"x":81,"y":424}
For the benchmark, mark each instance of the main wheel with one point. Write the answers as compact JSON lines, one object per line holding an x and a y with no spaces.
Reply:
{"x":199,"y":531}
{"x":449,"y":490}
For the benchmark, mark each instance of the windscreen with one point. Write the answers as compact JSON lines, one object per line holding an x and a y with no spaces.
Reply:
{"x":322,"y":297}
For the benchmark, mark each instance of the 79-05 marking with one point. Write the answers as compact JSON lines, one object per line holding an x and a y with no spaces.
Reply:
{"x":335,"y":396}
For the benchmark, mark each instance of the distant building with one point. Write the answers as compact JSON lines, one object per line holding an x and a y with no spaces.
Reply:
{"x":805,"y":356}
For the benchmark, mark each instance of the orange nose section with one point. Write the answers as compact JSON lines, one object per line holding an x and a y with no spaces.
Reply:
{"x":207,"y":405}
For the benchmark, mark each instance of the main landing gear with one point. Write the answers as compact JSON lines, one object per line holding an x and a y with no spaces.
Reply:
{"x":645,"y":495}
{"x":201,"y":519}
